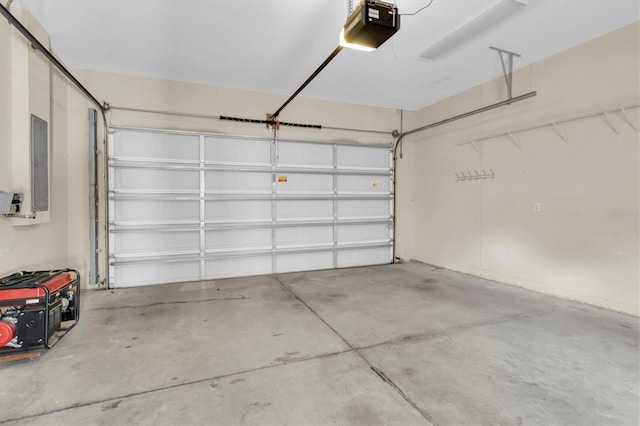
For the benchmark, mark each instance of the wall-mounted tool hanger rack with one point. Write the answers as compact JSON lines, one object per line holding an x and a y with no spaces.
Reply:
{"x":466,"y":176}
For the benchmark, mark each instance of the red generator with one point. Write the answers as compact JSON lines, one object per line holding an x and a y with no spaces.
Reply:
{"x":37,"y":308}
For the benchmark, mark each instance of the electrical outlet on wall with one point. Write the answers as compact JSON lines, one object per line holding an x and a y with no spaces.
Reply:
{"x":537,"y":206}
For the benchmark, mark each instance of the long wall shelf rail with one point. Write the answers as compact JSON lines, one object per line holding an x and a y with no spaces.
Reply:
{"x":554,"y":125}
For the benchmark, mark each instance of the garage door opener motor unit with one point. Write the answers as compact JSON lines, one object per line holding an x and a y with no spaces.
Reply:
{"x":37,"y":308}
{"x":371,"y":24}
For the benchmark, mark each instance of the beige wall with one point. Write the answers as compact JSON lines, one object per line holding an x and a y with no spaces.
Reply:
{"x":26,"y":83}
{"x":5,"y":111}
{"x":574,"y":247}
{"x":407,"y":185}
{"x":57,"y":238}
{"x":163,"y":95}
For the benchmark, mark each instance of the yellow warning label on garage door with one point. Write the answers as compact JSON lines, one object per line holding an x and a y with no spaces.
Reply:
{"x":282,"y":179}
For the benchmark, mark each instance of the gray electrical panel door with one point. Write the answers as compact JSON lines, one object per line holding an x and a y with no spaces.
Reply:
{"x":39,"y":165}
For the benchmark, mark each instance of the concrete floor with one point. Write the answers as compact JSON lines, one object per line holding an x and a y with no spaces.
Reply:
{"x":397,"y":344}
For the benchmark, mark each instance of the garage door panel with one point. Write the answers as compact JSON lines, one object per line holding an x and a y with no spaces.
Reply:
{"x":238,"y":182}
{"x":363,"y":209}
{"x":138,"y":144}
{"x":185,"y":206}
{"x":135,"y":275}
{"x":228,"y":239}
{"x":304,"y":236}
{"x":356,"y":157}
{"x":304,"y":183}
{"x":349,"y":184}
{"x":150,"y":179}
{"x":232,"y":150}
{"x":304,"y":209}
{"x":238,"y":210}
{"x":155,"y":211}
{"x":227,"y":268}
{"x":296,"y":154}
{"x":362,"y":233}
{"x":363,"y":256}
{"x":153,"y":241}
{"x":304,"y":262}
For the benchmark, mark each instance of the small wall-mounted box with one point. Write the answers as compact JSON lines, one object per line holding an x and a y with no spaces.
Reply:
{"x":10,"y":203}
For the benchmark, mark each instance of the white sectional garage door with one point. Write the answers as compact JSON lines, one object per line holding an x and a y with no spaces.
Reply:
{"x":188,"y":206}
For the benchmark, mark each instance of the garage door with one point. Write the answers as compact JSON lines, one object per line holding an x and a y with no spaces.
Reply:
{"x":189,"y":206}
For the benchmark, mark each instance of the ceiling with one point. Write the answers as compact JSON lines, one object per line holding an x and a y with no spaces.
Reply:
{"x":274,"y":45}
